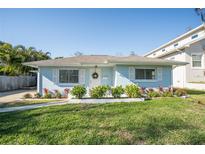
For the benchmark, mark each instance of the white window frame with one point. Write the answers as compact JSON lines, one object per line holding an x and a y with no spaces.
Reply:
{"x":69,"y":83}
{"x":146,"y":80}
{"x":202,"y":61}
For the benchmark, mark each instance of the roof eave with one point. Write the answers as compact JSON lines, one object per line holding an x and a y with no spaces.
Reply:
{"x":173,"y":40}
{"x":174,"y":63}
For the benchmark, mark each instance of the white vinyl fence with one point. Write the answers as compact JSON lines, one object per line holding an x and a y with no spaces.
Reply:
{"x":16,"y":82}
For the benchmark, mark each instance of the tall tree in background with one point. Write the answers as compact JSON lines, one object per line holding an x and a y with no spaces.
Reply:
{"x":200,"y":12}
{"x":78,"y":53}
{"x":13,"y":57}
{"x":132,"y":53}
{"x":11,"y":60}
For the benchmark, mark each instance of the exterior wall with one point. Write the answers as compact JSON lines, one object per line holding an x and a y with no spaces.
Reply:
{"x":179,"y":72}
{"x":181,"y":42}
{"x":164,"y":79}
{"x":119,"y":75}
{"x":46,"y":78}
{"x":195,"y":74}
{"x":183,"y":76}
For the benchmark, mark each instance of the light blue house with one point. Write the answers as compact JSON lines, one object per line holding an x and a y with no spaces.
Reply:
{"x":94,"y":70}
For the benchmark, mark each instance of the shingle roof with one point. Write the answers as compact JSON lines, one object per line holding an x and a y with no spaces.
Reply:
{"x":102,"y":59}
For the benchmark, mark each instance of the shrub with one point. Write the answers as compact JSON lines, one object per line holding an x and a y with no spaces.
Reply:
{"x":117,"y":91}
{"x":153,"y":94}
{"x":66,"y":92}
{"x":99,"y":91}
{"x":27,"y":95}
{"x":161,"y":90}
{"x":78,"y":91}
{"x":48,"y":96}
{"x":37,"y":95}
{"x":57,"y":94}
{"x":167,"y":94}
{"x":143,"y":90}
{"x":132,"y":91}
{"x":46,"y":91}
{"x":180,"y":92}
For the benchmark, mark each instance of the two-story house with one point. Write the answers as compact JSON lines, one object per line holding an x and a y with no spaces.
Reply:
{"x":188,"y":47}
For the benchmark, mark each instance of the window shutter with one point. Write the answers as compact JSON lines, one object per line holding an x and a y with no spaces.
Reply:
{"x":55,"y":75}
{"x":131,"y":73}
{"x":159,"y":73}
{"x":82,"y":76}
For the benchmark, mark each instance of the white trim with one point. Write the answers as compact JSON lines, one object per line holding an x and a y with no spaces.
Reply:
{"x":114,"y":76}
{"x":192,"y":32}
{"x":181,"y":47}
{"x":39,"y":81}
{"x":202,"y":61}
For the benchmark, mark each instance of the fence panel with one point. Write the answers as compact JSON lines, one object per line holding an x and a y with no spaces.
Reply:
{"x":16,"y":82}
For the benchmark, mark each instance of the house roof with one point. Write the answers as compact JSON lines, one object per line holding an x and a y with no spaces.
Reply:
{"x":201,"y":27}
{"x":102,"y":60}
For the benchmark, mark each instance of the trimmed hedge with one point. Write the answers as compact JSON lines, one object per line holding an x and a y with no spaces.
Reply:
{"x":132,"y":91}
{"x":78,"y":91}
{"x":99,"y":91}
{"x":117,"y":91}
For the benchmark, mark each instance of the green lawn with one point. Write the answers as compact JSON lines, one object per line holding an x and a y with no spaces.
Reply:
{"x":24,"y":102}
{"x":159,"y":121}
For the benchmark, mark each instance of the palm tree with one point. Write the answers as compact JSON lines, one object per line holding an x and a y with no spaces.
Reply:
{"x":200,"y":12}
{"x":13,"y":57}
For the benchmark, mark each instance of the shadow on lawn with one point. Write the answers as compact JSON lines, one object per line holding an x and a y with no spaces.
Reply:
{"x":195,"y":92}
{"x":82,"y":129}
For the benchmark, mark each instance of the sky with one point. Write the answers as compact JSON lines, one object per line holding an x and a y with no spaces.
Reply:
{"x":62,"y":32}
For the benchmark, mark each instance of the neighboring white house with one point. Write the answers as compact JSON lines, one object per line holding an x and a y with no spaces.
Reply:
{"x":189,"y":47}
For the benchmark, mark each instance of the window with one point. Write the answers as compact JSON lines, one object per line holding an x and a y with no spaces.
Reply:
{"x":144,"y":74}
{"x":172,"y":58}
{"x":163,"y":50}
{"x":68,"y":76}
{"x":175,"y":44}
{"x":196,"y":60}
{"x":194,"y":36}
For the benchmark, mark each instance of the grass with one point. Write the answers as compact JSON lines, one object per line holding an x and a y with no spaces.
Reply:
{"x":197,"y":95}
{"x":159,"y":121}
{"x":23,"y":102}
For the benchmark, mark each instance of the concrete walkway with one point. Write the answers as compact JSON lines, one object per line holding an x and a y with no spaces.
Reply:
{"x":29,"y":107}
{"x":11,"y":96}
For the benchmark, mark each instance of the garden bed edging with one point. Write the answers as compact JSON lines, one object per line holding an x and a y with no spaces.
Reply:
{"x":106,"y":100}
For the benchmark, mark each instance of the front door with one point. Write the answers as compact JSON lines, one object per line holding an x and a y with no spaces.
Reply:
{"x":95,"y":79}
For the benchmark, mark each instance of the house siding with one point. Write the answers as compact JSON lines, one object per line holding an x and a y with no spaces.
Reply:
{"x":45,"y":78}
{"x":183,"y":76}
{"x":119,"y":75}
{"x":122,"y":77}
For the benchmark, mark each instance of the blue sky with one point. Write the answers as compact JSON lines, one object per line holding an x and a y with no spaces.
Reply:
{"x":94,"y":31}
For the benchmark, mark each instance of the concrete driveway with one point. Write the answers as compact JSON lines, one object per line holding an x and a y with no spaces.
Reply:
{"x":11,"y":96}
